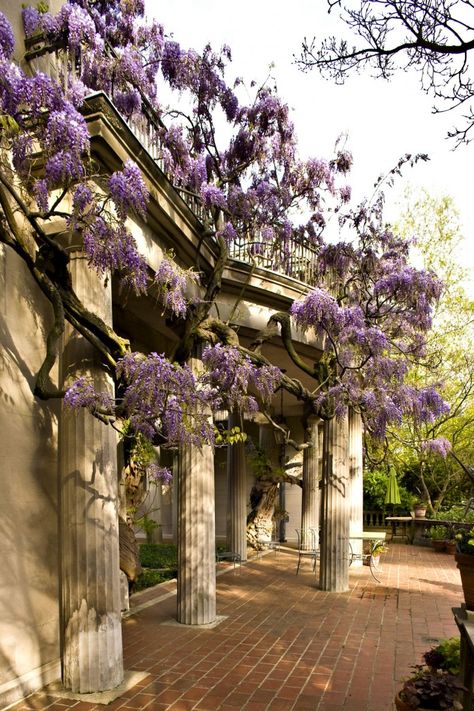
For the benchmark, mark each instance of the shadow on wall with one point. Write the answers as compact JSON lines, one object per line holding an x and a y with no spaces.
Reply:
{"x":29,"y":611}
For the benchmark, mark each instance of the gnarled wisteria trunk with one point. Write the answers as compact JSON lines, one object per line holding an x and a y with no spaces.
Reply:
{"x":310,"y":503}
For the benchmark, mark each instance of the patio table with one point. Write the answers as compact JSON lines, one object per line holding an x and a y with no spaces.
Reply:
{"x":375,"y":538}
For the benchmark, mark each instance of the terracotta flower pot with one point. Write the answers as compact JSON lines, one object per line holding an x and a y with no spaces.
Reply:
{"x":419,"y":511}
{"x":465,"y":563}
{"x":451,"y":547}
{"x":438,"y":545}
{"x":402,"y":706}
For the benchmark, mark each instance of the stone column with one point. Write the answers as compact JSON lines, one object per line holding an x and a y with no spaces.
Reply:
{"x":196,"y":533}
{"x":334,"y":568}
{"x":310,"y":503}
{"x":88,"y":483}
{"x":356,"y":481}
{"x":174,"y":498}
{"x":237,"y":493}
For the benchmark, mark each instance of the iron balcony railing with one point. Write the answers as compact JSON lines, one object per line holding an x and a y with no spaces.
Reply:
{"x":295,"y":258}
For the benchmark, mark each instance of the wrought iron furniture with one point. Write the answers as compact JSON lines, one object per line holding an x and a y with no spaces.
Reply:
{"x":307,"y":542}
{"x":375,"y":539}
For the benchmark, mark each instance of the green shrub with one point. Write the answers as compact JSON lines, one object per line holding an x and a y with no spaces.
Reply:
{"x":158,"y":555}
{"x":438,"y":533}
{"x":149,"y":577}
{"x":457,"y":513}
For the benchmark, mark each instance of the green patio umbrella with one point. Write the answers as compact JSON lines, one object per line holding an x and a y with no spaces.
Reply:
{"x":392,"y":495}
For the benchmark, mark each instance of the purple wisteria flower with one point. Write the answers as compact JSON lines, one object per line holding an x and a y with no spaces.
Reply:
{"x":7,"y":38}
{"x":162,"y":398}
{"x":318,"y":310}
{"x":439,"y":445}
{"x":82,"y":198}
{"x":235,"y":376}
{"x":110,"y":248}
{"x":172,"y":282}
{"x":212,"y":196}
{"x":128,"y":190}
{"x":41,"y":193}
{"x":31,"y":20}
{"x":78,"y":23}
{"x":82,"y":393}
{"x":66,"y":130}
{"x":162,"y":474}
{"x":344,"y":161}
{"x":228,"y":233}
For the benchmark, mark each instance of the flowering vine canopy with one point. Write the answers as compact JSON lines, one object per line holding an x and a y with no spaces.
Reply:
{"x":369,"y":308}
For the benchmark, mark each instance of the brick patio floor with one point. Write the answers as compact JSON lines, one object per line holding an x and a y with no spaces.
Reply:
{"x":284,"y":645}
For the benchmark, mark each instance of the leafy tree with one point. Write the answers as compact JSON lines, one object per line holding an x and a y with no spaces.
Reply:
{"x":434,"y":37}
{"x":368,"y":306}
{"x":429,"y":453}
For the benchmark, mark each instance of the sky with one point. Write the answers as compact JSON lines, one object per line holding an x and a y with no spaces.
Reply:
{"x":382,"y":120}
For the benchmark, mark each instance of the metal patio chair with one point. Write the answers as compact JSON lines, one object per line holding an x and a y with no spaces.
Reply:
{"x":307,"y":546}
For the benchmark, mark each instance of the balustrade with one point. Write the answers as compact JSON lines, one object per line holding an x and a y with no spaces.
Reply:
{"x":295,"y":258}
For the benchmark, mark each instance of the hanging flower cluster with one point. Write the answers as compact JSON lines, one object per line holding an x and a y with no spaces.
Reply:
{"x":238,"y":379}
{"x":173,"y":282}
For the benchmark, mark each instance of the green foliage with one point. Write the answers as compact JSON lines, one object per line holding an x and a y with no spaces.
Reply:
{"x":261,"y":466}
{"x":8,"y":124}
{"x":139,"y":449}
{"x":375,"y":489}
{"x":446,"y":656}
{"x":379,"y":548}
{"x":148,"y":525}
{"x":465,"y":541}
{"x":232,"y":436}
{"x":440,"y":244}
{"x":158,"y":555}
{"x":41,"y":6}
{"x":437,"y":533}
{"x":457,"y":512}
{"x":149,"y":577}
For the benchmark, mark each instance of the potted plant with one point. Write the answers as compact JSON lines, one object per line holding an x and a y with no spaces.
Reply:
{"x":464,"y":558}
{"x":379,"y":549}
{"x":430,"y":690}
{"x":446,"y":655}
{"x":451,"y":545}
{"x":438,"y":538}
{"x":372,"y":553}
{"x":419,"y":507}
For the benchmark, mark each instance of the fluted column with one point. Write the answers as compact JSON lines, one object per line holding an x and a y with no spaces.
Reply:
{"x":196,"y":533}
{"x":237,"y":493}
{"x":310,"y":502}
{"x":334,"y":568}
{"x":90,"y":576}
{"x":174,"y":499}
{"x":356,"y":481}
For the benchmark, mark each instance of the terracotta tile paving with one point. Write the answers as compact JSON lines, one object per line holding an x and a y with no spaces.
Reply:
{"x":285,"y":645}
